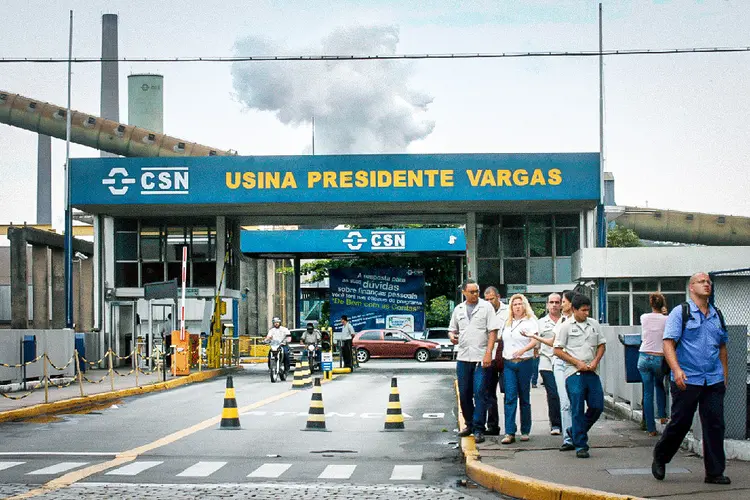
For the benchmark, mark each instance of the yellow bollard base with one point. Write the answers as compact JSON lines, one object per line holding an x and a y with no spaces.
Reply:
{"x":342,"y":370}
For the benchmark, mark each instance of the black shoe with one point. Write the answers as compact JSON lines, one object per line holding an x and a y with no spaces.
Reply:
{"x":717,"y":480}
{"x":567,"y":447}
{"x":494,"y":431}
{"x":659,"y":470}
{"x":533,"y":386}
{"x":465,"y":433}
{"x":582,"y":453}
{"x":478,"y":437}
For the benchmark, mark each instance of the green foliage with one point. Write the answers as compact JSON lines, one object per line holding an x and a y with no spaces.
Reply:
{"x":438,"y":312}
{"x":621,"y":237}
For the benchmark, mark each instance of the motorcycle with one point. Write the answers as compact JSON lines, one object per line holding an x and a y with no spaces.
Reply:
{"x":276,"y":361}
{"x":312,"y":357}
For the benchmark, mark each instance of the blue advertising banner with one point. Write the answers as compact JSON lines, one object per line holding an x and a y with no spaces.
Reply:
{"x":226,"y":180}
{"x":327,"y":241}
{"x":378,"y":298}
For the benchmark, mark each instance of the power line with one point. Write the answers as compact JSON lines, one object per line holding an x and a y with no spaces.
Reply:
{"x":378,"y":57}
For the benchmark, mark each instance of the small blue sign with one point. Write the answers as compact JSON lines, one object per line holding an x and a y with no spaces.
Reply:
{"x":327,"y":241}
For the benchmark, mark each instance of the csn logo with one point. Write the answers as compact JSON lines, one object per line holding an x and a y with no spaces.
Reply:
{"x":153,"y":181}
{"x":379,"y":240}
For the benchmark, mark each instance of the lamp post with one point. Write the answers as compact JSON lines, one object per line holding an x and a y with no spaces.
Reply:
{"x":68,"y":247}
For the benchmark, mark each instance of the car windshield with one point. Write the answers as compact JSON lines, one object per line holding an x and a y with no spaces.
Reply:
{"x":438,"y":333}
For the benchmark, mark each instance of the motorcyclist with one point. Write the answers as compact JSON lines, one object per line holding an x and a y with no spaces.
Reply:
{"x":312,"y":336}
{"x":279,"y":333}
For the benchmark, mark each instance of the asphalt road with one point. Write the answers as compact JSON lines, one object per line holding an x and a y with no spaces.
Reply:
{"x":174,"y":446}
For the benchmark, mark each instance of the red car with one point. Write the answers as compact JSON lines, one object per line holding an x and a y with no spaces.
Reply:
{"x":393,"y":344}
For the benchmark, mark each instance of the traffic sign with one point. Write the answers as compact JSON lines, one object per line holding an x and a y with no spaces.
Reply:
{"x":327,"y":361}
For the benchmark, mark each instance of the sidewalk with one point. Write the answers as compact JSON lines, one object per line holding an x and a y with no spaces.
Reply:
{"x":620,"y":464}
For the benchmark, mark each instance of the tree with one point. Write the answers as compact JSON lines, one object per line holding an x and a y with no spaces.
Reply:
{"x":438,"y":312}
{"x":622,"y":237}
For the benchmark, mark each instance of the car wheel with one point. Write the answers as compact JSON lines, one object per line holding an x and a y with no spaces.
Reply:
{"x":363,"y":356}
{"x":422,"y":355}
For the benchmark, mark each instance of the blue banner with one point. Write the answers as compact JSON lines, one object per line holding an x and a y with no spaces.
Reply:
{"x":328,"y":241}
{"x":242,"y":180}
{"x":378,"y":298}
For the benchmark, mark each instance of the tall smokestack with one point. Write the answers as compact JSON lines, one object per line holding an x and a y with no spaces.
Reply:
{"x":44,"y":180}
{"x":110,"y":98}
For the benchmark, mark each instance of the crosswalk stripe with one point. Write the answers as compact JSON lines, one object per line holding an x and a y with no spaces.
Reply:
{"x":270,"y":470}
{"x":57,"y":468}
{"x":337,"y":472}
{"x":133,"y":469}
{"x":8,"y":465}
{"x":406,"y":472}
{"x":202,"y":469}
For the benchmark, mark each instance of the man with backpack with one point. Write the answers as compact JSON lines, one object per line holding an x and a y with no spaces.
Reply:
{"x":695,"y":346}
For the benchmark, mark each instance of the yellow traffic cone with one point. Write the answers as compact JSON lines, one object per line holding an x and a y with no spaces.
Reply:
{"x":394,"y":419}
{"x":306,"y":374}
{"x":299,"y":377}
{"x":230,"y":417}
{"x":316,"y":415}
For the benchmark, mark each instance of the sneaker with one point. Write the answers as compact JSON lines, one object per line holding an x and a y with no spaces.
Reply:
{"x":567,"y":447}
{"x":717,"y":480}
{"x":555,"y":432}
{"x":492,"y":431}
{"x":465,"y":433}
{"x":582,"y":453}
{"x":524,"y":437}
{"x":478,"y":437}
{"x":508,"y":439}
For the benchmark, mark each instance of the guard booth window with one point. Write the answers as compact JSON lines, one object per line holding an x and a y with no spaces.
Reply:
{"x":628,"y":299}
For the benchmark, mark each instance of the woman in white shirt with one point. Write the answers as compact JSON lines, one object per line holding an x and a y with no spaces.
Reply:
{"x":651,"y":362}
{"x":518,"y":355}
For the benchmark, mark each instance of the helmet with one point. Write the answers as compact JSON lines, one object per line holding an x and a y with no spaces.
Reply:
{"x":276,"y":320}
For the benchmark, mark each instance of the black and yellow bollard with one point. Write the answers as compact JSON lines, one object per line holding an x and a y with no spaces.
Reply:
{"x":394,"y":419}
{"x":306,"y":374}
{"x":299,"y":377}
{"x":316,"y":416}
{"x":230,"y":417}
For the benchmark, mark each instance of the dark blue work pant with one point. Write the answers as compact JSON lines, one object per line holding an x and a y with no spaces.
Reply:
{"x":584,"y":389}
{"x":471,"y":387}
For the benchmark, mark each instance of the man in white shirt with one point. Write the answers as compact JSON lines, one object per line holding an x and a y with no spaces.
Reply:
{"x":344,"y":337}
{"x":492,"y":295}
{"x":546,"y":338}
{"x":581,"y":344}
{"x":280,"y":333}
{"x":473,"y":328}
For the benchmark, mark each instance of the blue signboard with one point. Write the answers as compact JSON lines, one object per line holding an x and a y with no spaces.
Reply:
{"x":378,"y":298}
{"x":226,"y":180}
{"x":326,"y":241}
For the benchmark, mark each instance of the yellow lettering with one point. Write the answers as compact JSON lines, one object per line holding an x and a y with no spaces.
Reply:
{"x":446,"y":178}
{"x":554,"y":177}
{"x":538,"y":178}
{"x":273,"y":179}
{"x":248,"y":180}
{"x":329,"y":179}
{"x":361,"y":178}
{"x":520,"y":177}
{"x":415,"y":178}
{"x":385,"y":179}
{"x":431,"y":174}
{"x":399,"y":178}
{"x":313,"y":178}
{"x":474,"y":177}
{"x":488,"y":179}
{"x":503,"y":178}
{"x":345,"y":179}
{"x":232,"y":180}
{"x":289,"y":181}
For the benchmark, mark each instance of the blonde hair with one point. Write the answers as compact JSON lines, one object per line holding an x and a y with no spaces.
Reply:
{"x":529,"y":312}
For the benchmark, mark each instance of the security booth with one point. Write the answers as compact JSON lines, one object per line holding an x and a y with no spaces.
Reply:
{"x":523,"y":215}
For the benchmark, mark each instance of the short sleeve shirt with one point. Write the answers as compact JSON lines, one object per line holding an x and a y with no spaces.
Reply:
{"x":279,"y":333}
{"x":580,"y":340}
{"x":514,"y":341}
{"x":473,"y":331}
{"x":546,"y":353}
{"x":346,"y":333}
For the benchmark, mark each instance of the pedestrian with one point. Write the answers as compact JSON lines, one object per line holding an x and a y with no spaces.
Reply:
{"x":166,"y":340}
{"x":473,"y":329}
{"x":581,"y":344}
{"x":344,"y":337}
{"x":547,"y":358}
{"x":535,"y":369}
{"x":651,"y":362}
{"x":695,"y":346}
{"x":518,"y":359}
{"x":494,"y":378}
{"x":558,"y":368}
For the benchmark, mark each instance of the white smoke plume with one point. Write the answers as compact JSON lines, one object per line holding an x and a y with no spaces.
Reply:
{"x":359,"y":106}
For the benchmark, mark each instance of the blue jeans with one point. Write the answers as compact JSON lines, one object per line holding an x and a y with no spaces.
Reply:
{"x":471,"y":387}
{"x":584,"y":389}
{"x":562,"y":392}
{"x":652,"y":373}
{"x":517,"y":379}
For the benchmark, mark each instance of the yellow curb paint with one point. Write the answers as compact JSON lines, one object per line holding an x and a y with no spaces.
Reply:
{"x":519,"y":486}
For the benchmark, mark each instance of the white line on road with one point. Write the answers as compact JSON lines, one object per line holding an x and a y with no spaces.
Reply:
{"x":58,"y":453}
{"x":8,"y":465}
{"x":57,"y":468}
{"x":406,"y":473}
{"x":270,"y":470}
{"x":337,"y":472}
{"x":202,"y":469}
{"x":133,"y":469}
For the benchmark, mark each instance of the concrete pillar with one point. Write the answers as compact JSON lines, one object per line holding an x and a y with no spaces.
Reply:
{"x":19,"y":292}
{"x":44,"y":180}
{"x":471,"y":245}
{"x":58,"y":289}
{"x":110,"y":90}
{"x":290,"y":282}
{"x":86,"y":302}
{"x":263,"y":293}
{"x":251,"y":282}
{"x":40,"y":286}
{"x":297,"y":292}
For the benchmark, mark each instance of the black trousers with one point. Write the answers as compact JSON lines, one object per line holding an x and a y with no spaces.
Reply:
{"x":709,"y":400}
{"x":346,"y":352}
{"x":493,"y":417}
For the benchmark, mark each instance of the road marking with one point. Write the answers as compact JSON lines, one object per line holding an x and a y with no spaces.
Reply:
{"x":406,"y":473}
{"x":57,"y":468}
{"x":58,"y":453}
{"x":270,"y":470}
{"x":8,"y":465}
{"x":202,"y":469}
{"x":133,"y":469}
{"x":645,"y":471}
{"x":433,"y":415}
{"x":337,"y":472}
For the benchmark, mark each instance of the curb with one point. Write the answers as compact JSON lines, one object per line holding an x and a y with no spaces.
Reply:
{"x":79,"y":402}
{"x":518,"y":486}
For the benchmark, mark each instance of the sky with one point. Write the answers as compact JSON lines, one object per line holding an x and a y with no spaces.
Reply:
{"x":676,"y":126}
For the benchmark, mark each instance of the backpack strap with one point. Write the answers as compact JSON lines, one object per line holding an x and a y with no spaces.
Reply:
{"x":686,"y":316}
{"x":721,"y":319}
